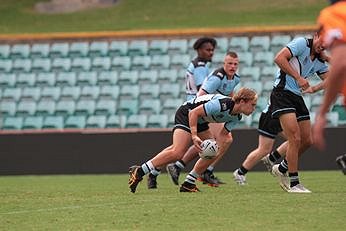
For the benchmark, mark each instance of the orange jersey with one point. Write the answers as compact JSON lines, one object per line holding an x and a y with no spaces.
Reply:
{"x":332,"y":22}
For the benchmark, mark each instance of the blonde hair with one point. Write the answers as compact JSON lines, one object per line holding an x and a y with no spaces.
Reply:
{"x":246,"y":94}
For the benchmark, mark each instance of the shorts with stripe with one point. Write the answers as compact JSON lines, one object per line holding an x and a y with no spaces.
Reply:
{"x":181,"y":120}
{"x":268,"y":126}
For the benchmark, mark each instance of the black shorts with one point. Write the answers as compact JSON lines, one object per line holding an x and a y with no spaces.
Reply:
{"x":181,"y":120}
{"x":268,"y":126}
{"x":284,"y":101}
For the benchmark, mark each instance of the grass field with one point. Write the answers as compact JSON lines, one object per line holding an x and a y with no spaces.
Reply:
{"x":19,"y":16}
{"x":103,"y":202}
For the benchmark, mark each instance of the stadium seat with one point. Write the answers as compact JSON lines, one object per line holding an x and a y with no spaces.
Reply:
{"x":169,"y":90}
{"x":255,"y":119}
{"x":180,"y":61}
{"x":278,"y":42}
{"x":7,"y":108}
{"x":51,"y":93}
{"x":107,"y":78}
{"x":261,"y":103}
{"x":26,"y":108}
{"x":256,"y":85}
{"x":147,"y":76}
{"x":129,"y":92}
{"x":78,"y":49}
{"x":177,"y":46}
{"x":86,"y":78}
{"x":53,"y":122}
{"x":75,"y":121}
{"x":333,"y":118}
{"x":116,"y":121}
{"x":149,"y":91}
{"x":85,"y":107}
{"x":33,"y":122}
{"x":137,"y":47}
{"x":66,"y":79}
{"x":118,"y":48}
{"x":45,"y":107}
{"x":342,"y":114}
{"x":96,"y":121}
{"x":65,"y":107}
{"x":141,"y":62}
{"x":105,"y":107}
{"x":20,"y":51}
{"x":90,"y":92}
{"x":160,"y":62}
{"x":21,"y":65}
{"x":60,"y":49}
{"x":5,"y":50}
{"x":7,"y":80}
{"x":25,"y":80}
{"x":218,"y":59}
{"x":222,"y":45}
{"x":239,"y":44}
{"x":109,"y":92}
{"x":150,"y":106}
{"x":12,"y":94}
{"x":12,"y":123}
{"x":101,"y":64}
{"x":167,"y":76}
{"x":128,"y":107}
{"x":45,"y":79}
{"x":316,"y":102}
{"x":262,"y":59}
{"x":267,"y":88}
{"x":6,"y":65}
{"x":98,"y":49}
{"x":128,"y":77}
{"x":171,"y":120}
{"x":136,"y":121}
{"x":259,"y":43}
{"x":245,"y":58}
{"x":170,"y":106}
{"x":120,"y":63}
{"x":39,"y":50}
{"x":249,"y":73}
{"x":41,"y":65}
{"x":269,"y":72}
{"x":158,"y":47}
{"x":81,"y":64}
{"x":157,"y":121}
{"x":61,"y":64}
{"x":31,"y":93}
{"x":70,"y":92}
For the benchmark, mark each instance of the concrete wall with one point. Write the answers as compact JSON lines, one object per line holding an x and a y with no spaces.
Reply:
{"x":83,"y":153}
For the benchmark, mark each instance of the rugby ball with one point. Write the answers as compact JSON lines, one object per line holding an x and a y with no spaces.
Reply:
{"x":209,"y":149}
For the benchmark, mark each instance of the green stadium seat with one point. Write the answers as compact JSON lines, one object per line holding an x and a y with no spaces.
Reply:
{"x":120,"y":63}
{"x":6,"y":65}
{"x":222,"y":45}
{"x":267,"y":87}
{"x":128,"y":77}
{"x":169,"y":90}
{"x":278,"y":42}
{"x":33,"y":122}
{"x":180,"y":61}
{"x":61,"y":64}
{"x":150,"y":106}
{"x":147,"y":76}
{"x":269,"y":72}
{"x":218,"y":59}
{"x":105,"y":107}
{"x":60,"y":49}
{"x":261,"y":103}
{"x":128,"y":107}
{"x":70,"y":92}
{"x":255,"y":119}
{"x":20,"y":51}
{"x":90,"y":92}
{"x":171,"y":120}
{"x":41,"y":65}
{"x":129,"y":92}
{"x":45,"y":79}
{"x":51,"y":93}
{"x":141,"y":62}
{"x":98,"y":48}
{"x":167,"y":76}
{"x":65,"y":107}
{"x":259,"y":43}
{"x":53,"y":122}
{"x":158,"y":47}
{"x":107,"y":78}
{"x":25,"y":80}
{"x":5,"y":50}
{"x":149,"y":91}
{"x":12,"y":123}
{"x":101,"y":64}
{"x":160,"y":62}
{"x":249,"y":73}
{"x":81,"y":64}
{"x":7,"y":80}
{"x":66,"y":79}
{"x":342,"y":114}
{"x":157,"y":121}
{"x":78,"y":49}
{"x":239,"y":44}
{"x":21,"y":65}
{"x":245,"y":58}
{"x":137,"y":47}
{"x":109,"y":92}
{"x":85,"y":107}
{"x":177,"y":46}
{"x":170,"y":106}
{"x":116,"y":121}
{"x":31,"y":93}
{"x":96,"y":121}
{"x":87,"y":78}
{"x":256,"y":85}
{"x":45,"y":107}
{"x":136,"y":121}
{"x":26,"y":108}
{"x":118,"y":48}
{"x":262,"y":59}
{"x":39,"y":50}
{"x":12,"y":94}
{"x":75,"y":121}
{"x":7,"y":108}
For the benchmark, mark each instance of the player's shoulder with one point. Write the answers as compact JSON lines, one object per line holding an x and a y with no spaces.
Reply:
{"x":197,"y":62}
{"x":220,"y":73}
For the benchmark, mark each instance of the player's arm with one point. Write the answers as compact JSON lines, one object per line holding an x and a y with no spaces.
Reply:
{"x":317,"y":87}
{"x":194,"y":114}
{"x":282,"y":60}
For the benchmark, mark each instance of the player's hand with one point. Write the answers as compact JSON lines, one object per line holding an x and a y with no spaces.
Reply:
{"x":308,"y":90}
{"x":197,"y":142}
{"x":303,"y":83}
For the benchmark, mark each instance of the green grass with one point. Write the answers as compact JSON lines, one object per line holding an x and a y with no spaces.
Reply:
{"x":103,"y":202}
{"x":19,"y":17}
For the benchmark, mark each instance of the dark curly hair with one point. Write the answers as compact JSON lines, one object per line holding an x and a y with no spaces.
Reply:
{"x":199,"y":42}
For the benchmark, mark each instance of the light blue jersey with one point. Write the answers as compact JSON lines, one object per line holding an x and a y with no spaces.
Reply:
{"x":217,"y":82}
{"x":300,"y":49}
{"x":217,"y":108}
{"x":196,"y":72}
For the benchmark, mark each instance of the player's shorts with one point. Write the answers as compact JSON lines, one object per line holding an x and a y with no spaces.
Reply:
{"x":332,"y":23}
{"x":284,"y":101}
{"x":268,"y":126}
{"x":181,"y":120}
